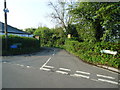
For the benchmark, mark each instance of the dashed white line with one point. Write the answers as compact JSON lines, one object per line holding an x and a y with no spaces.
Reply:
{"x":45,"y":69}
{"x":105,"y":76}
{"x":22,"y":65}
{"x":45,"y":63}
{"x":104,"y":80}
{"x":79,"y":75}
{"x":18,"y":64}
{"x":64,"y":69}
{"x":83,"y":72}
{"x":48,"y":66}
{"x":62,"y":72}
{"x":28,"y":66}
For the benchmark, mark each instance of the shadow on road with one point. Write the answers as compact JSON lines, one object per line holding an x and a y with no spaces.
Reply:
{"x":44,"y":51}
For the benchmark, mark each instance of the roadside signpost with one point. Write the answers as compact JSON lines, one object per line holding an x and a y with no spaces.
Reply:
{"x":5,"y":25}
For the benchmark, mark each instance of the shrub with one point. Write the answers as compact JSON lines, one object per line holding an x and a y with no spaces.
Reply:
{"x":90,"y":52}
{"x":27,"y":45}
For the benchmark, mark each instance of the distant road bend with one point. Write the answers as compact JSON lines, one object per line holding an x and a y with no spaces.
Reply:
{"x":54,"y":68}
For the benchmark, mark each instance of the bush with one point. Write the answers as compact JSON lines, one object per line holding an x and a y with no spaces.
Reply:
{"x":53,"y":42}
{"x":90,"y":52}
{"x":26,"y":45}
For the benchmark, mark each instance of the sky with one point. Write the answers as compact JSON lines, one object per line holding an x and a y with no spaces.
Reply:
{"x":27,"y":13}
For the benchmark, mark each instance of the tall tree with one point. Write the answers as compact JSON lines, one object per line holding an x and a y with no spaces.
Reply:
{"x":30,"y":30}
{"x":83,"y":15}
{"x":60,"y":13}
{"x":44,"y":33}
{"x":90,"y":18}
{"x":110,"y":21}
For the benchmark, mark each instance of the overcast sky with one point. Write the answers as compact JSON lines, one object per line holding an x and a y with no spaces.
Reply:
{"x":27,"y":13}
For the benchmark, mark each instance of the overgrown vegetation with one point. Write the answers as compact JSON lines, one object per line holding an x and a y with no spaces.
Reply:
{"x":24,"y":45}
{"x":97,"y":21}
{"x":90,"y":52}
{"x":93,"y":26}
{"x":50,"y":37}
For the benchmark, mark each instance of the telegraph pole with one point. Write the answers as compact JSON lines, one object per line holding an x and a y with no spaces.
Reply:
{"x":5,"y":25}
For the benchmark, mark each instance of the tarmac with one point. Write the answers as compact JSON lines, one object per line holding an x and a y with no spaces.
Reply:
{"x":109,"y":68}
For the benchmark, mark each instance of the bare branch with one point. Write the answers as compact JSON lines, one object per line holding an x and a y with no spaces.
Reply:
{"x":61,"y":13}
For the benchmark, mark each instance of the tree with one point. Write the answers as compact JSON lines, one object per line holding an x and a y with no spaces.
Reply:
{"x":90,"y":18}
{"x":110,"y":16}
{"x":30,"y":30}
{"x":45,"y":35}
{"x":60,"y":13}
{"x":83,"y":15}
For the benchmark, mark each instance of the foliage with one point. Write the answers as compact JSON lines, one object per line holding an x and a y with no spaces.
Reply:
{"x":41,"y":30}
{"x":94,"y":26}
{"x":27,"y":45}
{"x":44,"y":33}
{"x":97,"y":21}
{"x":30,"y":30}
{"x":60,"y":13}
{"x":50,"y":37}
{"x":58,"y":37}
{"x":110,"y":21}
{"x":90,"y":52}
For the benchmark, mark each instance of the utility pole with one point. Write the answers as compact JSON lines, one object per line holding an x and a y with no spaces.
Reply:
{"x":5,"y":25}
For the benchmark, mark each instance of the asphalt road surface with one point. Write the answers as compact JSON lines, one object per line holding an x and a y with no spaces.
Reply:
{"x":54,"y":68}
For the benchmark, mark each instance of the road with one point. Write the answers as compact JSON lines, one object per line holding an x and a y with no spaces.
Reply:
{"x":54,"y":68}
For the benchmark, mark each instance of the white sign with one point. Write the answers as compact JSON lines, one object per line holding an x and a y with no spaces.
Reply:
{"x":108,"y":51}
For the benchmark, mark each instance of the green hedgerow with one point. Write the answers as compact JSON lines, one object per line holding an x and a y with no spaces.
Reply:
{"x":25,"y":45}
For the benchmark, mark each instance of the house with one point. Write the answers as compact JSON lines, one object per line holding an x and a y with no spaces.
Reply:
{"x":13,"y":31}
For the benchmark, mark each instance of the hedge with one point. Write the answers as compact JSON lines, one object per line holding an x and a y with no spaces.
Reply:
{"x":90,"y":52}
{"x":59,"y":42}
{"x":28,"y":45}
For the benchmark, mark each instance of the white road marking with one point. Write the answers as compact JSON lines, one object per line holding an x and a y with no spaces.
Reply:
{"x":22,"y":65}
{"x":79,"y":75}
{"x":83,"y":72}
{"x":64,"y":69}
{"x":45,"y":63}
{"x":100,"y":67}
{"x":104,"y":80}
{"x":28,"y":66}
{"x":62,"y":72}
{"x":113,"y":69}
{"x":45,"y":69}
{"x":53,"y":54}
{"x":48,"y":66}
{"x":105,"y":76}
